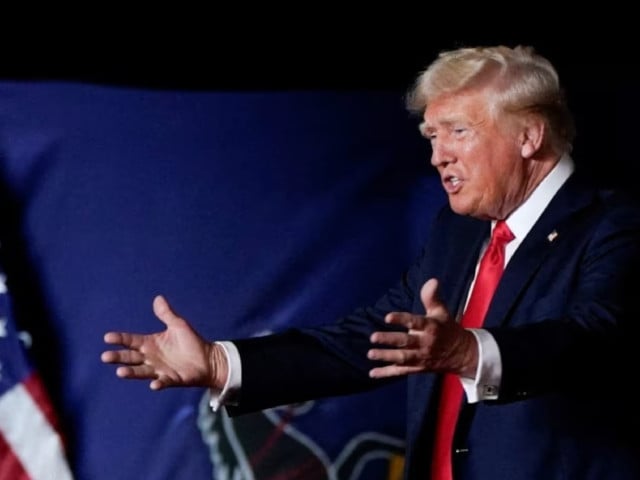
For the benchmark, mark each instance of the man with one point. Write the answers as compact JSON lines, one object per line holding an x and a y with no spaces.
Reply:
{"x":535,"y":325}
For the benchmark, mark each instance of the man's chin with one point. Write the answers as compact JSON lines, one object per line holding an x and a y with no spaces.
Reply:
{"x":467,"y":210}
{"x":459,"y":207}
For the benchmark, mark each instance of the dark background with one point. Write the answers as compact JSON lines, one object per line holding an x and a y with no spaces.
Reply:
{"x":319,"y":45}
{"x":354,"y":47}
{"x":350,"y":47}
{"x":241,"y":47}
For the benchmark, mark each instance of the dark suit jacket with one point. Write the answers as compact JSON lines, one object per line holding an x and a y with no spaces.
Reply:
{"x":565,"y":316}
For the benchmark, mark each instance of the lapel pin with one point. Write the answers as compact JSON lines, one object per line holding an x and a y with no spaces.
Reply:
{"x":552,"y":236}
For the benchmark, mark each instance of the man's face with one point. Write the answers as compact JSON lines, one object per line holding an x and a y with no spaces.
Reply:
{"x":477,"y":154}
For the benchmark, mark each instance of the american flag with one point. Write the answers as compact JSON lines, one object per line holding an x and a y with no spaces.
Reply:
{"x":31,"y":447}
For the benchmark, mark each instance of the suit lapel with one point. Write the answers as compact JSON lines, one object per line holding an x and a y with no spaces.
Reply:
{"x":456,"y":276}
{"x":538,"y":244}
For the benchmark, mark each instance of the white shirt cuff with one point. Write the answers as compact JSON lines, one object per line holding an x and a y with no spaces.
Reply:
{"x":234,"y":380}
{"x":486,"y":384}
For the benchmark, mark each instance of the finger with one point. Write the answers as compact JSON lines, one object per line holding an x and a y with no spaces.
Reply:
{"x":127,"y":357}
{"x":393,"y":355}
{"x":395,"y":339}
{"x":433,"y":306}
{"x":129,"y":340}
{"x":156,"y":384}
{"x":160,"y":383}
{"x":392,"y":371}
{"x":408,"y":320}
{"x":163,"y":311}
{"x":136,"y":371}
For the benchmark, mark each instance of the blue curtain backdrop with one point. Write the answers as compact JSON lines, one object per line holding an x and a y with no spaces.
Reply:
{"x":251,"y":211}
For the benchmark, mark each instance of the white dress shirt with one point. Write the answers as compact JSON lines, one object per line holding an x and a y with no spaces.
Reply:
{"x":486,"y":384}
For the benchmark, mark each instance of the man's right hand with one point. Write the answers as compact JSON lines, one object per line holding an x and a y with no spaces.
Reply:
{"x":177,"y":356}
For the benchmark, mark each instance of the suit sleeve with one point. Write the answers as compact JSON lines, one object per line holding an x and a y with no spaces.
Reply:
{"x":302,"y":364}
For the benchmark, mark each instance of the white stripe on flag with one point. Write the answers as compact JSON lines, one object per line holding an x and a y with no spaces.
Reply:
{"x":31,"y":437}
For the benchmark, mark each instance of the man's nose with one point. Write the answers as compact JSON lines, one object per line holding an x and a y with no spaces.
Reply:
{"x":440,"y":154}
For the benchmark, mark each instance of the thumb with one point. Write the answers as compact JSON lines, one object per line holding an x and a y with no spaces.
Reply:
{"x":433,"y":306}
{"x":163,"y":311}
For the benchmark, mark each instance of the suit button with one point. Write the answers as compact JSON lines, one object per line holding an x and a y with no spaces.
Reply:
{"x":459,"y":451}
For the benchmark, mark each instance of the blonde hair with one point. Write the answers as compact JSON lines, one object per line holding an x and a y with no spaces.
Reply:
{"x":520,"y":82}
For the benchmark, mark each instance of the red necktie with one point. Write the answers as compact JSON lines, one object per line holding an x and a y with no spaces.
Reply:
{"x":489,"y":273}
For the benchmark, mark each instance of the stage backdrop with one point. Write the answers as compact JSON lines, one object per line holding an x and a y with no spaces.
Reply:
{"x":252,"y":211}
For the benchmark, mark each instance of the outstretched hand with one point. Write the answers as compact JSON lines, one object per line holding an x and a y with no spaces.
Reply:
{"x":433,"y":342}
{"x":177,"y":356}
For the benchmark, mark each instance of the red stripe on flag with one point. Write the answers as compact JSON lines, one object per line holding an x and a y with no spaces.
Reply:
{"x":33,"y":384}
{"x":10,"y":466}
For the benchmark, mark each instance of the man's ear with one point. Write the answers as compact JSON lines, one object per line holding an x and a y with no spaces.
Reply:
{"x":532,"y":136}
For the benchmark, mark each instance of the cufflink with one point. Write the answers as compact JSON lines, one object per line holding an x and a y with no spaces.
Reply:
{"x":490,"y":390}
